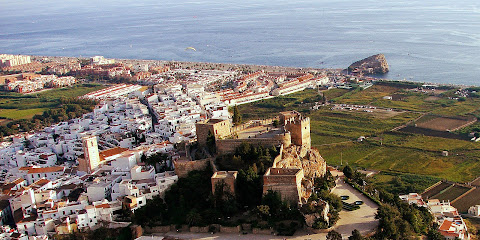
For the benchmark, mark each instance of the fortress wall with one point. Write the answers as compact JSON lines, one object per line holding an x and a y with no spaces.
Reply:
{"x":182,"y":168}
{"x":225,"y":146}
{"x":278,"y":158}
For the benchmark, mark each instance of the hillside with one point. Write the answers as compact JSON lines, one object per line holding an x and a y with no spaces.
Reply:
{"x":336,"y":127}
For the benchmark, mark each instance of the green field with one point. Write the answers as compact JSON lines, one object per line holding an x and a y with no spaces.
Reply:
{"x":16,"y":106}
{"x":16,"y":114}
{"x":335,"y":132}
{"x":462,"y":164}
{"x":352,"y":124}
{"x":402,"y":183}
{"x":300,"y":101}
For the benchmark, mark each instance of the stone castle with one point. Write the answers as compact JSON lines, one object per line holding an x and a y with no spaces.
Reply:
{"x":294,"y":129}
{"x":296,"y":164}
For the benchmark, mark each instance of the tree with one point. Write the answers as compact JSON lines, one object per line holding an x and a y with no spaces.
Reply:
{"x":273,"y":200}
{"x":237,"y":118}
{"x":434,"y":234}
{"x":193,"y":217}
{"x":249,"y":187}
{"x":333,"y":235}
{"x":275,"y":123}
{"x":211,"y":144}
{"x":355,"y":235}
{"x":26,"y":143}
{"x":155,"y":160}
{"x":263,"y":211}
{"x":348,"y":171}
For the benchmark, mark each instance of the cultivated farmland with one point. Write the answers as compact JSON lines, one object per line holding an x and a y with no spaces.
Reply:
{"x":445,"y":123}
{"x":452,"y":193}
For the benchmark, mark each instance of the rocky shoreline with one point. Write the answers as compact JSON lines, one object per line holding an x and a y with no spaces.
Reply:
{"x":376,"y":64}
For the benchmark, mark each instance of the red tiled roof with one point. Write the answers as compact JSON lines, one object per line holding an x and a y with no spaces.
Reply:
{"x":445,"y":225}
{"x":111,"y":152}
{"x":44,"y":170}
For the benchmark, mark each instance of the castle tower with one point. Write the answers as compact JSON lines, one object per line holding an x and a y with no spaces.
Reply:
{"x":286,"y":181}
{"x":91,"y":158}
{"x":300,"y":131}
{"x":298,"y":126}
{"x":227,"y":177}
{"x":218,"y":127}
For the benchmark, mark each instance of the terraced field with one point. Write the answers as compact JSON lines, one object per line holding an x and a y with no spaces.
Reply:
{"x":452,"y":193}
{"x":436,"y":190}
{"x":471,"y":199}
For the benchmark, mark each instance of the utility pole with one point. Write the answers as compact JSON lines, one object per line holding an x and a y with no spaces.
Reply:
{"x":341,"y":158}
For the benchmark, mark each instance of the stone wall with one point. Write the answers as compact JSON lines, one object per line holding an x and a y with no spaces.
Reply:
{"x":182,"y":168}
{"x":262,"y":231}
{"x":159,"y":229}
{"x":251,"y":124}
{"x":235,"y":229}
{"x":278,"y":158}
{"x":137,"y":231}
{"x":199,"y":229}
{"x":229,"y":145}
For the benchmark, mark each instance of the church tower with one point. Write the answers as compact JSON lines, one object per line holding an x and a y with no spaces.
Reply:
{"x":91,"y":158}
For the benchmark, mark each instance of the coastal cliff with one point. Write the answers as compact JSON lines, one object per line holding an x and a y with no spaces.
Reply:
{"x":376,"y":64}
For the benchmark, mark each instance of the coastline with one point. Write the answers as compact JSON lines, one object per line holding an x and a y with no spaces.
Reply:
{"x":250,"y":67}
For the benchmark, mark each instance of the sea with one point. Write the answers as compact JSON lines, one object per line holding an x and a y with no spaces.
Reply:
{"x":436,"y":41}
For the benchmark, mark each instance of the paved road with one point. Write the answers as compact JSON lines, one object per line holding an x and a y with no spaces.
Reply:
{"x":362,"y":219}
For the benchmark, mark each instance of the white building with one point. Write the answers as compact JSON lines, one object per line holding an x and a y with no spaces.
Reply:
{"x":474,"y":210}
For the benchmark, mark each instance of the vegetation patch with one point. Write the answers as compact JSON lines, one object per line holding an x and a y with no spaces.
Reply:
{"x":401,"y":183}
{"x":34,"y":111}
{"x":444,"y":123}
{"x":15,"y":114}
{"x":451,"y":193}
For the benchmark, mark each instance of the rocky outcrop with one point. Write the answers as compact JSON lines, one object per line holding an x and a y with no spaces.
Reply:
{"x":308,"y":159}
{"x":376,"y":64}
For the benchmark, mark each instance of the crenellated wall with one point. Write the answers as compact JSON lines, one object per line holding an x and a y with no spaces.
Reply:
{"x":225,"y":146}
{"x":300,"y":131}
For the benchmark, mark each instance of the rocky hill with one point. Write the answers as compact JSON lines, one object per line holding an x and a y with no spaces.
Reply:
{"x":309,"y":160}
{"x":372,"y":65}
